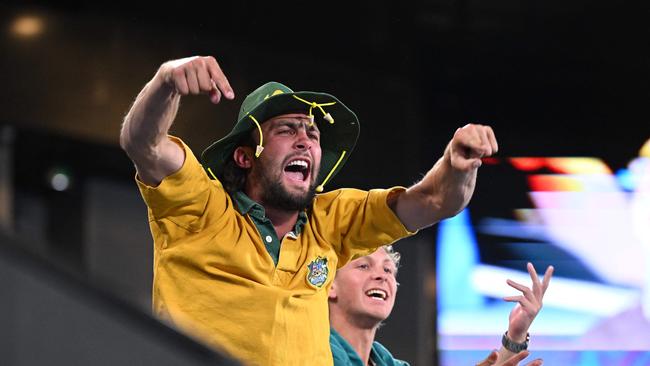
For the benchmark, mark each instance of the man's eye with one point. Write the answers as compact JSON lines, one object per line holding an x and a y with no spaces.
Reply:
{"x":388,"y":270}
{"x":363,"y":266}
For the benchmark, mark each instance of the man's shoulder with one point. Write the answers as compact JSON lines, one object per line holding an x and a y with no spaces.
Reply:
{"x":336,"y":200}
{"x":339,"y":194}
{"x":189,"y":186}
{"x":342,"y":191}
{"x":341,"y":197}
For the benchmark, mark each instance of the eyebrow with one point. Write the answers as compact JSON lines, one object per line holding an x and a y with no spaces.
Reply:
{"x":295,"y":124}
{"x":390,"y":261}
{"x":387,"y":260}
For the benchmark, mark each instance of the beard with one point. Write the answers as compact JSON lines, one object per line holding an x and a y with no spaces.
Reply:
{"x":276,"y":195}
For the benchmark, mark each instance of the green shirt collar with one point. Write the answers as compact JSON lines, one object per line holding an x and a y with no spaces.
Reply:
{"x":345,"y":355}
{"x":246,"y":205}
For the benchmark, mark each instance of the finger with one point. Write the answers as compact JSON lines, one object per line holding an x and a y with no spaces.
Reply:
{"x":537,"y":289}
{"x":220,"y":79}
{"x":485,"y":141}
{"x":514,"y":360}
{"x":547,"y":278}
{"x":525,"y":303}
{"x":525,"y":290}
{"x":180,"y":81}
{"x":532,"y":272}
{"x":492,"y":139}
{"x":215,"y":94}
{"x":471,"y":136}
{"x":205,"y":82}
{"x":192,"y":80}
{"x":536,"y":362}
{"x":527,"y":307}
{"x":465,"y":155}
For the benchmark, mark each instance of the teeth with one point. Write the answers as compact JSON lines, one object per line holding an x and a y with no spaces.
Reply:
{"x":377,"y":293}
{"x":301,"y":163}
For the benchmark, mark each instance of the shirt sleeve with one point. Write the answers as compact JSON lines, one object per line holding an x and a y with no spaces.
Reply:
{"x":358,"y":222}
{"x":184,"y":196}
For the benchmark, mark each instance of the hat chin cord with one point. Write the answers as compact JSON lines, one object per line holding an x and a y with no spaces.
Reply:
{"x":319,"y":189}
{"x":259,"y":148}
{"x":328,"y":117}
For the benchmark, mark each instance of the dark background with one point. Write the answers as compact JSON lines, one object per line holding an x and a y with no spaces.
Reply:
{"x":553,"y":78}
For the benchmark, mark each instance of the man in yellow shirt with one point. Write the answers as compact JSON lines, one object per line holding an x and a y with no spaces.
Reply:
{"x":244,"y":249}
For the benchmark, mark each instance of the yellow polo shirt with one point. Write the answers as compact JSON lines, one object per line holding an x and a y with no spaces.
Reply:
{"x":215,"y":279}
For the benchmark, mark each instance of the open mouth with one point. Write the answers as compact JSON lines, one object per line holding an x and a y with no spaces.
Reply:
{"x":376,"y":293}
{"x":297,"y":169}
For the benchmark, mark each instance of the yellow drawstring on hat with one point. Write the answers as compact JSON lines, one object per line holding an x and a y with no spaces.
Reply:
{"x":259,"y":148}
{"x":326,"y":116}
{"x":211,"y":173}
{"x":319,"y":189}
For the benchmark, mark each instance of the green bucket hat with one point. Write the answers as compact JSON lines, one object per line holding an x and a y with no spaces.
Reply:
{"x":338,"y":125}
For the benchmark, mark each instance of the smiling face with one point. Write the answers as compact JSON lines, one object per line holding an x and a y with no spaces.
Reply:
{"x":284,"y":175}
{"x":364,"y":290}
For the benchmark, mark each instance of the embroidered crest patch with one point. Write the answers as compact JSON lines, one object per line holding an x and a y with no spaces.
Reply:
{"x":318,"y":271}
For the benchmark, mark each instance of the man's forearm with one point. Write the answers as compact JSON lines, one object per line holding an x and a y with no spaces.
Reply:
{"x":149,"y":119}
{"x":145,"y":128}
{"x":443,"y":192}
{"x":449,"y":189}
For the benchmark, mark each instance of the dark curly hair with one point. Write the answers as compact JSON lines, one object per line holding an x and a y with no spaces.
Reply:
{"x":232,"y":176}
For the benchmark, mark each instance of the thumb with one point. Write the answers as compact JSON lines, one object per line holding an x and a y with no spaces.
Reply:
{"x":215,"y":95}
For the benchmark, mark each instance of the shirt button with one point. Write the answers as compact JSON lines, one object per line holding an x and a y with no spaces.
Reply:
{"x":269,"y":239}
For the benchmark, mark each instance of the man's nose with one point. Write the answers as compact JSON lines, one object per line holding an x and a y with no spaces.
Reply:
{"x":380,"y":275}
{"x":302,"y":140}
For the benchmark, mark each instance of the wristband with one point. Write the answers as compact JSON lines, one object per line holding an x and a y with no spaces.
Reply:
{"x":513,"y":346}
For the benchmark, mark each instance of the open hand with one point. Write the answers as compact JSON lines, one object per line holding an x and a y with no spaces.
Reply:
{"x":528,"y":304}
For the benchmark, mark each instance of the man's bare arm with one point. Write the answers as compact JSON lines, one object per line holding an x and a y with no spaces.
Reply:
{"x":146,"y":125}
{"x":447,"y":188}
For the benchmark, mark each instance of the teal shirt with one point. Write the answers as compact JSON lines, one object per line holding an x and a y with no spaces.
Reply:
{"x":255,"y":211}
{"x":345,"y":355}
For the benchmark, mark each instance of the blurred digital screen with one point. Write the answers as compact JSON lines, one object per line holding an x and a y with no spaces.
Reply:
{"x":587,"y":219}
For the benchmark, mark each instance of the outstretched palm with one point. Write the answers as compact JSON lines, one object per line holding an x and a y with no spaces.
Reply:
{"x":529,"y":303}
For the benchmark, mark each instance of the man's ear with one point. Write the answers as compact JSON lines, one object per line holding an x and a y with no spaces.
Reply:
{"x":243,"y":157}
{"x":332,"y":294}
